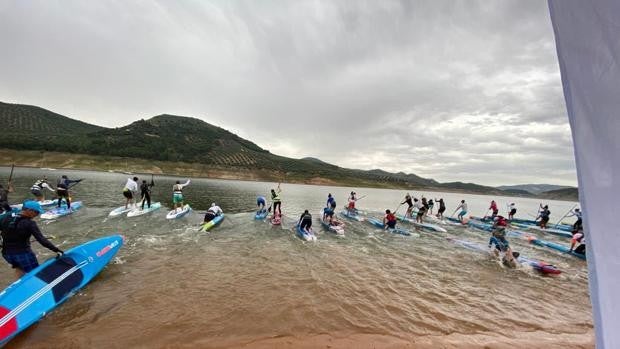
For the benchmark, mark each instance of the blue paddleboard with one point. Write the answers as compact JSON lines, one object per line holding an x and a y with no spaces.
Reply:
{"x":37,"y":293}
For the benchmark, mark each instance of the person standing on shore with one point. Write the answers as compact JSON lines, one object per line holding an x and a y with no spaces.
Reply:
{"x":16,"y":233}
{"x":38,"y":186}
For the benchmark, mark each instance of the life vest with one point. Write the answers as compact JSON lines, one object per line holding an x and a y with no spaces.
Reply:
{"x":501,"y":221}
{"x":390,"y":217}
{"x":177,"y":189}
{"x":38,"y":184}
{"x":275,"y":196}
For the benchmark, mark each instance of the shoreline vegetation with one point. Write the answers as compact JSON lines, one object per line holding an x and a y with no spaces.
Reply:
{"x":114,"y":164}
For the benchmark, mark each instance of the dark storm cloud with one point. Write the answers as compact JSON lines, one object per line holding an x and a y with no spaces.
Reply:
{"x":460,"y":90}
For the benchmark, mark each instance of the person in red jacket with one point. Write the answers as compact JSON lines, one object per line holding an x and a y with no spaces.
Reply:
{"x":389,"y":220}
{"x":494,"y":208}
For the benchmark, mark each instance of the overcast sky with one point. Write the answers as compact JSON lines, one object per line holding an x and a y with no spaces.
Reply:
{"x":455,"y":91}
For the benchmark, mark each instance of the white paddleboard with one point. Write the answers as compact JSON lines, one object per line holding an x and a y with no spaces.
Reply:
{"x":120,"y":210}
{"x":139,"y":211}
{"x":174,"y":214}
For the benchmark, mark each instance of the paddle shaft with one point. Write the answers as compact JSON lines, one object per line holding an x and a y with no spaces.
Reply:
{"x":10,"y":176}
{"x":564,"y":216}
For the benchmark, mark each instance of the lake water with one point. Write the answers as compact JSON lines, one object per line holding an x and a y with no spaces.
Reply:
{"x":249,"y":284}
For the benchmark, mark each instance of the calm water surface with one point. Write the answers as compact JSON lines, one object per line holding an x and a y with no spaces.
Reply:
{"x":247,"y":283}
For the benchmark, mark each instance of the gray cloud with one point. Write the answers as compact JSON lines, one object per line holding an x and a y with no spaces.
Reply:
{"x":465,"y":90}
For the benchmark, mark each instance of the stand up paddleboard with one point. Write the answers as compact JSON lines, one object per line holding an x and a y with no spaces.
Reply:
{"x":337,"y":229}
{"x":352,"y":216}
{"x":37,"y":293}
{"x":261,"y":214}
{"x":212,"y":223}
{"x":139,"y":211}
{"x":174,"y":214}
{"x":62,"y":211}
{"x":304,"y":234}
{"x":120,"y":210}
{"x":428,"y":226}
{"x":379,"y":224}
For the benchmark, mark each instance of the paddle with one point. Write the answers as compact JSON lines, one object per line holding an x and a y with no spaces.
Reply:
{"x":360,"y":198}
{"x":10,"y":176}
{"x":485,"y":214}
{"x":564,"y":216}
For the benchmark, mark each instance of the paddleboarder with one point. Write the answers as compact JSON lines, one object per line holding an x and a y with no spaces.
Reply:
{"x":277,"y":201}
{"x":212,"y":212}
{"x":16,"y":233}
{"x":442,"y":208}
{"x":409,"y":203}
{"x":261,"y":203}
{"x":512,"y":210}
{"x":463,"y":207}
{"x":4,"y":197}
{"x":493,"y":207}
{"x":62,"y":189}
{"x":177,"y":194}
{"x":305,"y":222}
{"x":130,"y":190}
{"x":389,"y":220}
{"x":145,"y":192}
{"x":38,"y":186}
{"x":544,"y":216}
{"x":421,"y":210}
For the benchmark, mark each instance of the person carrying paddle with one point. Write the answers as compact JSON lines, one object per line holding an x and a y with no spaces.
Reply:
{"x":62,"y":190}
{"x":389,"y":220}
{"x":351,"y":205}
{"x":38,"y":186}
{"x":512,"y":211}
{"x":16,"y":233}
{"x":430,"y":206}
{"x":579,"y":223}
{"x":409,"y":202}
{"x":177,"y":194}
{"x":442,"y":208}
{"x":277,"y":201}
{"x":305,"y":222}
{"x":145,"y":192}
{"x":212,"y":212}
{"x":130,"y":190}
{"x":463,"y":207}
{"x":4,"y":198}
{"x":544,"y":216}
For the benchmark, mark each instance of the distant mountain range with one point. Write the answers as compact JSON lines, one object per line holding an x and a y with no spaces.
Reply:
{"x":533,"y":188}
{"x":190,"y":143}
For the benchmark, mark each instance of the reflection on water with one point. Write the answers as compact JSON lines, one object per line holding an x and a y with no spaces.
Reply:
{"x":249,"y":283}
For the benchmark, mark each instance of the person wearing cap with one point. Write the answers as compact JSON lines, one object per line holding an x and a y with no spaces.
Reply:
{"x":544,"y":216}
{"x":62,"y":190}
{"x":212,"y":212}
{"x":38,"y":186}
{"x":130,"y":190}
{"x":16,"y":232}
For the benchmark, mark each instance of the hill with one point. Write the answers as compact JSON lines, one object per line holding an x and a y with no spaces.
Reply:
{"x":533,"y":188}
{"x":568,"y":194}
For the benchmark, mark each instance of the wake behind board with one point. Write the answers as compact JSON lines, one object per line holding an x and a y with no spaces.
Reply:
{"x":62,"y":211}
{"x":139,"y":211}
{"x":178,"y":213}
{"x":35,"y":294}
{"x":353,"y":216}
{"x":212,"y":223}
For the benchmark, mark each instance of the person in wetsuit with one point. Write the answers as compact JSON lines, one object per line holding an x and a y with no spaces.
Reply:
{"x":409,"y":203}
{"x":145,"y":193}
{"x":62,"y":190}
{"x":4,"y":198}
{"x":16,"y":232}
{"x":305,"y":221}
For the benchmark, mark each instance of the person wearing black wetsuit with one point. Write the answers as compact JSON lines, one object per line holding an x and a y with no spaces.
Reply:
{"x":62,"y":190}
{"x":409,"y":203}
{"x":16,"y":233}
{"x":305,"y":221}
{"x":145,"y":193}
{"x":442,"y":208}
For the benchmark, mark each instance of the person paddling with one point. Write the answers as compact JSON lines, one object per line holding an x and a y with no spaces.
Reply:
{"x":38,"y":186}
{"x":16,"y":232}
{"x":544,"y":216}
{"x":277,"y":201}
{"x":145,"y":193}
{"x":578,"y":223}
{"x":463,"y":207}
{"x":578,"y":238}
{"x":212,"y":212}
{"x":305,"y":222}
{"x":130,"y":190}
{"x":421,"y":210}
{"x":409,"y":203}
{"x":442,"y":208}
{"x":62,"y":190}
{"x":351,"y":205}
{"x":512,"y":210}
{"x":389,"y":220}
{"x":431,"y":204}
{"x":493,"y":207}
{"x":177,"y":194}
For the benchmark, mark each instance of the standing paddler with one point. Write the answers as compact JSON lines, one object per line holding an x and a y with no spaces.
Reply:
{"x":62,"y":189}
{"x":145,"y":192}
{"x":409,"y":202}
{"x":277,"y":201}
{"x":130,"y":190}
{"x":544,"y":216}
{"x":177,"y":194}
{"x":463,"y":207}
{"x":38,"y":186}
{"x":512,"y":210}
{"x":442,"y":208}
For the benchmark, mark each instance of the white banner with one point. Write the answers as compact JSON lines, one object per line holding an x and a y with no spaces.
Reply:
{"x":587,"y":35}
